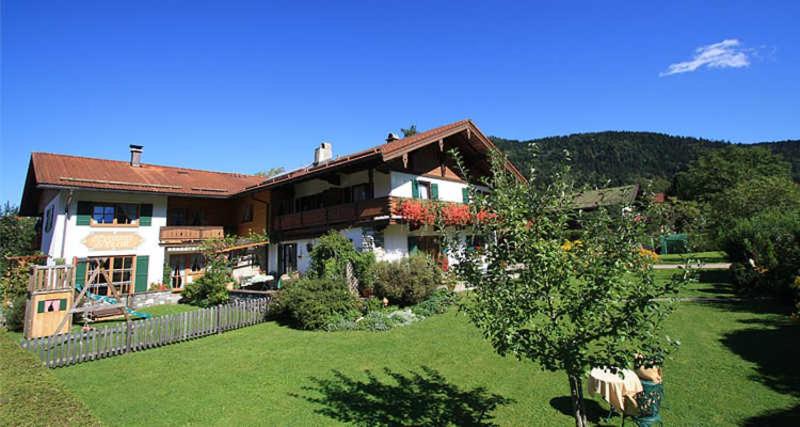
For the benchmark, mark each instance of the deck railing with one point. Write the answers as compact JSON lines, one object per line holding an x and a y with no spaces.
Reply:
{"x":180,"y":233}
{"x":343,"y":213}
{"x":50,"y":278}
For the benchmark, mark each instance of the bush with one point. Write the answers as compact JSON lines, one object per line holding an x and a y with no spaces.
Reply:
{"x":15,"y":314}
{"x":765,"y":249}
{"x":209,"y":290}
{"x":313,"y":303}
{"x":332,"y":253}
{"x":438,"y":303}
{"x":408,"y":281}
{"x":376,"y":321}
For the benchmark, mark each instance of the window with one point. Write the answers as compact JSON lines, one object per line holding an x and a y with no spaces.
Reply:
{"x":48,"y":219}
{"x":177,"y":216}
{"x":360,"y":192}
{"x":247,"y":215}
{"x":118,"y":269}
{"x":115,"y":213}
{"x":424,"y":190}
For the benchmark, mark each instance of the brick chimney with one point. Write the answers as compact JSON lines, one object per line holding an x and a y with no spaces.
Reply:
{"x":136,"y":155}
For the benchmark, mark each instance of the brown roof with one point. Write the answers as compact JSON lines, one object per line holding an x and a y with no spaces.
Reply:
{"x":59,"y":170}
{"x":390,"y":150}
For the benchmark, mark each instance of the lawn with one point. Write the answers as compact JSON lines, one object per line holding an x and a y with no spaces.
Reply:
{"x":703,"y":257}
{"x":736,"y":365}
{"x":32,"y":395}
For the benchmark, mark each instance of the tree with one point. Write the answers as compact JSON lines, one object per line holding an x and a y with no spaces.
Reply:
{"x":718,"y":170}
{"x":411,"y":130}
{"x":566,"y":290}
{"x":271,"y":172}
{"x":17,"y":234}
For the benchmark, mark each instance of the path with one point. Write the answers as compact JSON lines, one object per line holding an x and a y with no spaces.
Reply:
{"x":698,"y":266}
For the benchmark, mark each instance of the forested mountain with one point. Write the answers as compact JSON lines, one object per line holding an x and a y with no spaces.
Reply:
{"x":618,"y":158}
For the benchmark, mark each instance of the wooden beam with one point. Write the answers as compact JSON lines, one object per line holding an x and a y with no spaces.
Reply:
{"x":405,"y":160}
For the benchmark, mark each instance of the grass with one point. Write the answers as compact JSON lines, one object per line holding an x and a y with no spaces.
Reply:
{"x":736,"y":365}
{"x":31,"y":394}
{"x":703,"y":257}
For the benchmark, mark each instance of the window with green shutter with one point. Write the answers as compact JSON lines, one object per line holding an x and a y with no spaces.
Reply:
{"x":414,"y":188}
{"x":142,"y":262}
{"x":40,"y":306}
{"x":80,"y":273}
{"x":434,"y":191}
{"x":146,"y":215}
{"x":84,"y":213}
{"x":465,"y":195}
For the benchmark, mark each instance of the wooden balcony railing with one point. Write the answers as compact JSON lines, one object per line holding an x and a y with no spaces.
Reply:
{"x":182,"y":234}
{"x":345,"y":213}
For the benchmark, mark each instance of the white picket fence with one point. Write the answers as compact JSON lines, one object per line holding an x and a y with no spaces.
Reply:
{"x":78,"y":347}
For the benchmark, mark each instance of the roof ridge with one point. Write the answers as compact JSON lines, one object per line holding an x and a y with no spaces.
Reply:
{"x":146,"y":164}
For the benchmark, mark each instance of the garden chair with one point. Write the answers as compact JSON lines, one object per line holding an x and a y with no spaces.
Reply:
{"x":649,"y":403}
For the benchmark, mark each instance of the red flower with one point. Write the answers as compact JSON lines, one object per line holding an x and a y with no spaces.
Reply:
{"x":456,"y":215}
{"x":417,"y":213}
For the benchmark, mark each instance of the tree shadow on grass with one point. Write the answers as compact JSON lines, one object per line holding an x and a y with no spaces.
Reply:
{"x":419,"y":398}
{"x":772,"y":344}
{"x":594,"y":412}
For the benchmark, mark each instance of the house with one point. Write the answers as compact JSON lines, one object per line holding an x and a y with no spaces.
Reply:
{"x":138,"y":221}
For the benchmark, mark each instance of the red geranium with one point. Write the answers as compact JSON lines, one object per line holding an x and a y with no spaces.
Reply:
{"x":417,"y":213}
{"x":455,"y":215}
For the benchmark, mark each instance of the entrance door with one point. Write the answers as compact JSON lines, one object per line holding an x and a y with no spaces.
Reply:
{"x":287,"y":258}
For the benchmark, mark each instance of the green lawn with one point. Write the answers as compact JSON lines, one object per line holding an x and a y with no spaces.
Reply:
{"x":704,"y":257}
{"x":31,"y":395}
{"x":736,"y":365}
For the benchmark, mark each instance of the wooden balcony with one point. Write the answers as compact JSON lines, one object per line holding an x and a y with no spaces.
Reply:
{"x":339,"y":214}
{"x":188,"y":234}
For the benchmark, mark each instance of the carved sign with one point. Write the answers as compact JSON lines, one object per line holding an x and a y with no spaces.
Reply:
{"x":112,"y":241}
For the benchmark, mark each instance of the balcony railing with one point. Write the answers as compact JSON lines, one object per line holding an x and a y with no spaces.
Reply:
{"x":345,"y":213}
{"x":184,"y":234}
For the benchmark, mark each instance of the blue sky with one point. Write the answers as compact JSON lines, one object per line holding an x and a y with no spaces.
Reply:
{"x":245,"y":86}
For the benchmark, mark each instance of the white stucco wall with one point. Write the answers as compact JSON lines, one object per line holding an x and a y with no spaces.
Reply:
{"x":51,"y":241}
{"x":75,"y":234}
{"x":449,"y":191}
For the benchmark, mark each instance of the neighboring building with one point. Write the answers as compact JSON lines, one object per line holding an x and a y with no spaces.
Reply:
{"x":135,"y":218}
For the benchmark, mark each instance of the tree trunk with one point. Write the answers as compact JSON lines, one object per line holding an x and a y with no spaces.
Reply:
{"x":576,"y":392}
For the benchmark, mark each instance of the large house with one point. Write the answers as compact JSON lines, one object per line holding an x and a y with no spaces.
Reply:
{"x":142,"y":223}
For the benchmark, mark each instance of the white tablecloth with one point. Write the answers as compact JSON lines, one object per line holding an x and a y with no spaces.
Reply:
{"x":615,"y":389}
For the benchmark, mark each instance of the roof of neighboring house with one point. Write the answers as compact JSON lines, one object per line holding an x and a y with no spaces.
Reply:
{"x":390,"y":150}
{"x":63,"y":171}
{"x":612,"y":196}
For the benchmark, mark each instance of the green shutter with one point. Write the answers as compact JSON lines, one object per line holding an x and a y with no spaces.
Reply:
{"x":412,"y":244}
{"x":84,"y":213}
{"x":414,"y":188}
{"x":146,"y":215}
{"x":40,"y":306}
{"x":465,"y":194}
{"x":142,"y":262}
{"x":434,"y":191}
{"x":80,"y":273}
{"x":62,"y":303}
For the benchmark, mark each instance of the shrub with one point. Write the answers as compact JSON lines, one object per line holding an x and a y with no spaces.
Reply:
{"x":210,"y":289}
{"x":330,"y":256}
{"x":765,"y":249}
{"x":313,"y":303}
{"x":408,"y":281}
{"x":437,"y":303}
{"x":15,"y":313}
{"x":376,"y":321}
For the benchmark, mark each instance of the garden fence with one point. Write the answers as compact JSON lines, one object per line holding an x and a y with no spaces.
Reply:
{"x":78,"y":347}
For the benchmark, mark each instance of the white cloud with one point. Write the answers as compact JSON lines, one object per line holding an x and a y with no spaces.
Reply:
{"x":725,"y":54}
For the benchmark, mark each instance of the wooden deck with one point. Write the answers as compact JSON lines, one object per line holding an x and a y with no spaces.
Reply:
{"x":345,"y":213}
{"x":186,"y":234}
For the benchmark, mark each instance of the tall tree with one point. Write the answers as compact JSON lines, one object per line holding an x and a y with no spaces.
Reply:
{"x":718,"y":170}
{"x":17,"y":234}
{"x":409,"y":131}
{"x":271,"y":172}
{"x":567,"y":290}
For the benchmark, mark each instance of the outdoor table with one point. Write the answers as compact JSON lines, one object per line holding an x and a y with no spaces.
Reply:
{"x":618,"y":392}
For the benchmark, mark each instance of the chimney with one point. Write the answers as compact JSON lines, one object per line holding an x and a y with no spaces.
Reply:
{"x":323,"y":153}
{"x":136,"y":155}
{"x":392,"y":137}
